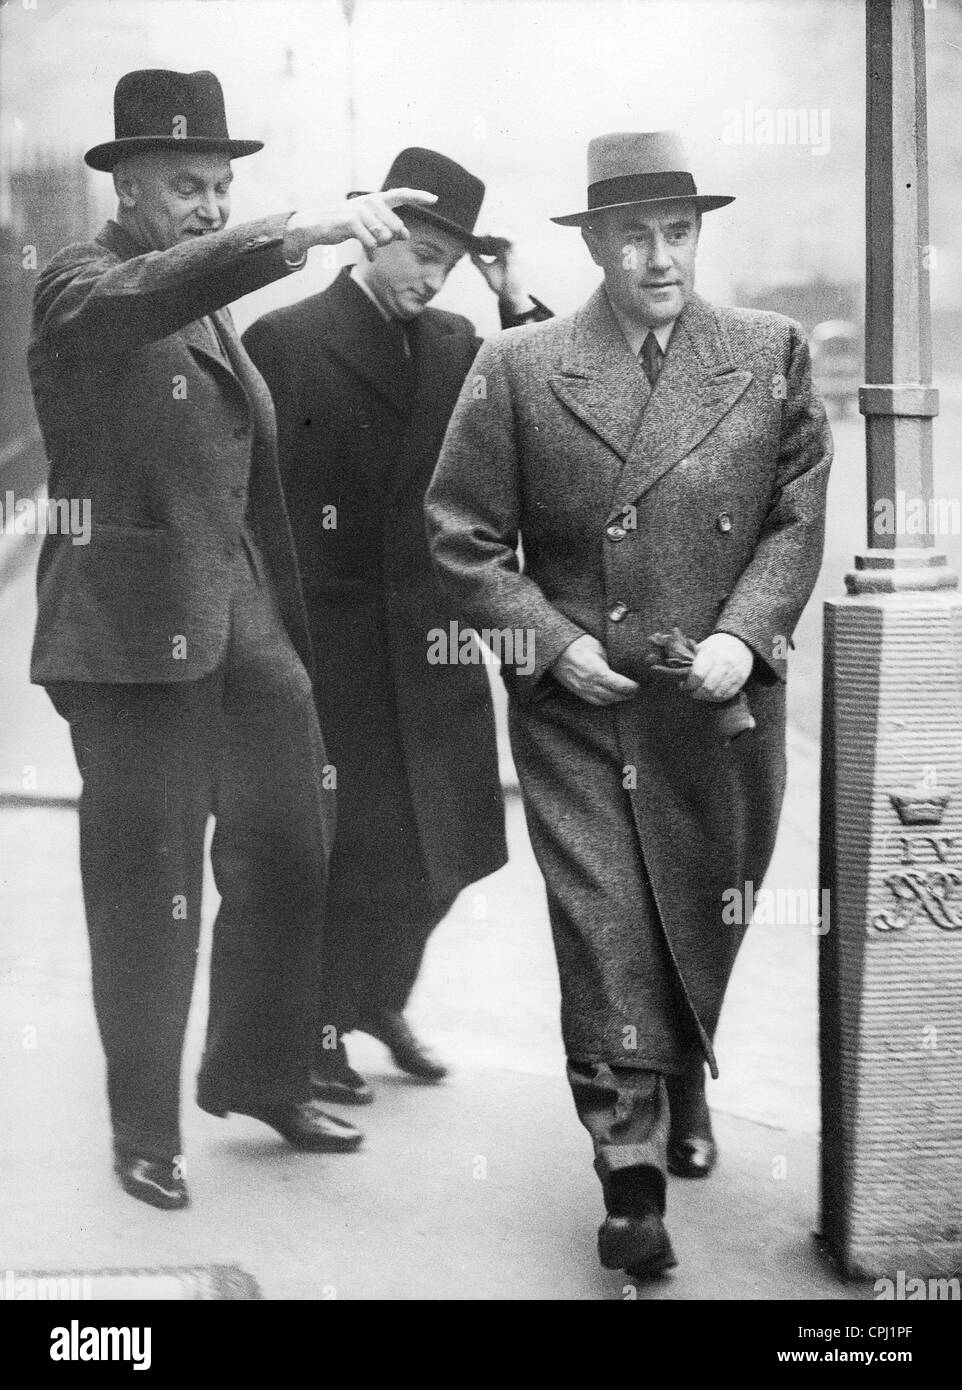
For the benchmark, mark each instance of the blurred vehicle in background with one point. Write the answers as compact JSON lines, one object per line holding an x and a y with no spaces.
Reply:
{"x":830,"y":313}
{"x":837,"y":363}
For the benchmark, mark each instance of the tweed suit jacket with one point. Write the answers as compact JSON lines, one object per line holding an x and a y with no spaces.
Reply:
{"x":172,"y":442}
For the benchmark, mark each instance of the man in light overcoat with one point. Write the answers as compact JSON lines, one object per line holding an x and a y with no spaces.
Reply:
{"x":663,"y":463}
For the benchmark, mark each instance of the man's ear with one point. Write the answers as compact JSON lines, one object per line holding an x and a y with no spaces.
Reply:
{"x":590,"y":239}
{"x":125,"y":183}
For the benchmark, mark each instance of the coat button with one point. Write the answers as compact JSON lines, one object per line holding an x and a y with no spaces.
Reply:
{"x":617,"y":612}
{"x":614,"y":532}
{"x":241,"y":432}
{"x":723,"y":521}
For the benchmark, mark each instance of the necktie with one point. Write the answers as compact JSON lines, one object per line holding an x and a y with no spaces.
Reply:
{"x":651,"y":359}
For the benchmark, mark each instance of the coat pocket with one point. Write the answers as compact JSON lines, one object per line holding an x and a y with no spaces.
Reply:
{"x":130,"y":571}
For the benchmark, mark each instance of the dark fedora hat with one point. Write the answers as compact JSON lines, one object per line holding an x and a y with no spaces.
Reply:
{"x":645,"y":167}
{"x":459,"y":195}
{"x":155,"y":109}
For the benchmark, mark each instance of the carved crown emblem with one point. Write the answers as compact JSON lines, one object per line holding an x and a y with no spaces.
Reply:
{"x":920,"y":805}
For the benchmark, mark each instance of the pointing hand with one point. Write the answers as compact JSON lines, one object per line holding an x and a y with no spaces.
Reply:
{"x":371,"y":219}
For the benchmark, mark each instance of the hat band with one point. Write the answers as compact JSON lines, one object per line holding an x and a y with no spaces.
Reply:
{"x":641,"y":188}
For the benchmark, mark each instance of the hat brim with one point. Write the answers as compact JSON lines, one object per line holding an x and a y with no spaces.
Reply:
{"x":704,"y":202}
{"x":479,"y":245}
{"x":104,"y":157}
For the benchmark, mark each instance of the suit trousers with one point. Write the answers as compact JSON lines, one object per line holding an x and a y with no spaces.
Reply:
{"x":381,"y":905}
{"x":373,"y":951}
{"x":626,"y":1112}
{"x":156,"y":760}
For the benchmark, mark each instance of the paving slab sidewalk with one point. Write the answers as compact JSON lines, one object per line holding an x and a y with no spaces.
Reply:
{"x":479,"y":1189}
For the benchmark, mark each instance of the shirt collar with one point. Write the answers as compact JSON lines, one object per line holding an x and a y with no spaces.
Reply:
{"x":365,"y":287}
{"x":397,"y":324}
{"x":636,"y":333}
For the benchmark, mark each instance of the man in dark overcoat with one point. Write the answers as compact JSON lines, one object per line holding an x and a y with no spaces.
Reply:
{"x":663,"y":463}
{"x":364,"y":377}
{"x":176,"y":643}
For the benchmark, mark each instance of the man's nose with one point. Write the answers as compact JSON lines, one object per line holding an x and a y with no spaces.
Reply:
{"x":434,"y":278}
{"x":209,"y":208}
{"x":659,"y":255}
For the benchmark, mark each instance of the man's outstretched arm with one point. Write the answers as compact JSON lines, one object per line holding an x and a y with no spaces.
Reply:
{"x":85,"y":301}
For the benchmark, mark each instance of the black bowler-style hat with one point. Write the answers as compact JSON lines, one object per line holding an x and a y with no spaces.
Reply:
{"x":155,"y":109}
{"x":459,"y":195}
{"x":645,"y":167}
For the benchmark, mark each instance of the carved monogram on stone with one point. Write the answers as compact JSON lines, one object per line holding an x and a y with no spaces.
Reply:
{"x":934,"y":892}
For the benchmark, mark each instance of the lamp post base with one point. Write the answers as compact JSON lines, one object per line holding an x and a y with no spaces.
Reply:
{"x":890,"y":967}
{"x":900,"y":571}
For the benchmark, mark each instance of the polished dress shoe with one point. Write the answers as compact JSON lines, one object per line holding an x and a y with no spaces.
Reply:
{"x":637,"y":1244}
{"x":333,"y":1078}
{"x":151,"y":1180}
{"x":692,"y":1152}
{"x":302,"y":1123}
{"x":692,"y":1155}
{"x":393,"y":1030}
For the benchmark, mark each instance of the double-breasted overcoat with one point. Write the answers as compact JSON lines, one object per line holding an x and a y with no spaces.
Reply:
{"x":698,"y":505}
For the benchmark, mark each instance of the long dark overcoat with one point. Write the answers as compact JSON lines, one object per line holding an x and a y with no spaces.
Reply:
{"x":360,"y":429}
{"x":700,"y":505}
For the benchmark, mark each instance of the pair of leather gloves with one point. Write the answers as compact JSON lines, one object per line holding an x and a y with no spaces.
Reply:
{"x":671,"y":655}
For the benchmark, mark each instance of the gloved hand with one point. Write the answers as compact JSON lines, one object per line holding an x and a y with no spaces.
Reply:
{"x":672,"y":654}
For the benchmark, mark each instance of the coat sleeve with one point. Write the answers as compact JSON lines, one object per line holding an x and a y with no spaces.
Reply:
{"x":775,"y":586}
{"x":99,"y":304}
{"x":537,"y":314}
{"x":473,"y":512}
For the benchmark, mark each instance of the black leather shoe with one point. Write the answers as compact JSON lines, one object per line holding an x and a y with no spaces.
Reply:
{"x":692,"y":1156}
{"x":393,"y":1030}
{"x":333,"y":1078}
{"x":692,"y":1152}
{"x":303,"y":1124}
{"x":151,"y":1181}
{"x":637,"y":1244}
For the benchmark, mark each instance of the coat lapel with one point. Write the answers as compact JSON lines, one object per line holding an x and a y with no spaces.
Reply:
{"x":698,"y":385}
{"x":440,"y":373}
{"x":197,"y":337}
{"x":599,"y":380}
{"x":118,"y":240}
{"x":360,"y":339}
{"x":247,"y":377}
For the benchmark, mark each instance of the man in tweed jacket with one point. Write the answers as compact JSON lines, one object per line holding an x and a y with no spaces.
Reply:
{"x":176,"y":643}
{"x":663,"y":463}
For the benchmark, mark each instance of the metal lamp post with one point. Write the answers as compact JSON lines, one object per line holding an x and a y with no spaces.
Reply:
{"x":349,"y":6}
{"x":891,"y":837}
